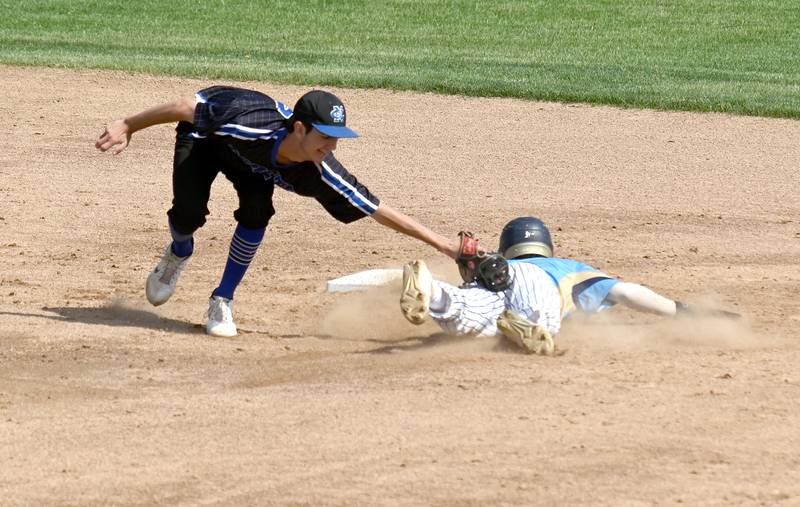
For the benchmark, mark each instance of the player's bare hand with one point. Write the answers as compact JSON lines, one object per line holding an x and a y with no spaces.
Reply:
{"x":115,"y":137}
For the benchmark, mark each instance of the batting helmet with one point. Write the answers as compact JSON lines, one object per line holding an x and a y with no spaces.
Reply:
{"x":525,"y":236}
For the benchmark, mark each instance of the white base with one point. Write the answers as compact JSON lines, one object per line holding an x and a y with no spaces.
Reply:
{"x":363,"y":280}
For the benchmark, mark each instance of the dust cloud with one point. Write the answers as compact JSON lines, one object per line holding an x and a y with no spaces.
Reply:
{"x":374,"y":315}
{"x":624,"y":329}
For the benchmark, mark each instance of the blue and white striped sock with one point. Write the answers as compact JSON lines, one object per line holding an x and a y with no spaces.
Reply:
{"x":182,"y":244}
{"x":243,"y":248}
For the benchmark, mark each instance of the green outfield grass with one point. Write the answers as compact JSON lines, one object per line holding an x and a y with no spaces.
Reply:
{"x":706,"y":55}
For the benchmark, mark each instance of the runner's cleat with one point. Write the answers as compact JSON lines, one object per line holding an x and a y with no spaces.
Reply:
{"x":416,"y":297}
{"x":530,"y":337}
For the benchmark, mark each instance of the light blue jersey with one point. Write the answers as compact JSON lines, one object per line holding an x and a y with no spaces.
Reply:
{"x":582,"y":287}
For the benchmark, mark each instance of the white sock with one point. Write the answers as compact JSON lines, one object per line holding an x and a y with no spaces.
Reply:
{"x":439,"y":299}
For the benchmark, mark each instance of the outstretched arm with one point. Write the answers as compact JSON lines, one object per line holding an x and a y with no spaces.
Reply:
{"x":399,"y":222}
{"x":118,"y":133}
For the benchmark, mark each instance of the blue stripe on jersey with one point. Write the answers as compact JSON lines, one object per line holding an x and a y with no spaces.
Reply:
{"x":242,"y":132}
{"x":239,"y":132}
{"x":347,"y":190}
{"x":273,"y":156}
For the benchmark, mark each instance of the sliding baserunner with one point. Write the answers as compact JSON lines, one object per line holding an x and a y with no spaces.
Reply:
{"x":523,"y":293}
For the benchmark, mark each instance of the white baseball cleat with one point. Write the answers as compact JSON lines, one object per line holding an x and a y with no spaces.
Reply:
{"x":531,"y":338}
{"x":162,"y":281}
{"x":220,"y":317}
{"x":416,"y":297}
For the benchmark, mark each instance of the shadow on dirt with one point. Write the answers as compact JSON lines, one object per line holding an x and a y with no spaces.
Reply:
{"x":409,"y":344}
{"x":440,"y":340}
{"x":114,"y":315}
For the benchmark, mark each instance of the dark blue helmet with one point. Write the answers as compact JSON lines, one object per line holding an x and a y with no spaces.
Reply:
{"x":525,"y":236}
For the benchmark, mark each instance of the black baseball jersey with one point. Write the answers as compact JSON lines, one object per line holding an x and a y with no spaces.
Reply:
{"x":250,"y":126}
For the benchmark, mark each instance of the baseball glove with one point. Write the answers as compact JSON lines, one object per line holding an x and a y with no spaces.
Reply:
{"x":488,"y":269}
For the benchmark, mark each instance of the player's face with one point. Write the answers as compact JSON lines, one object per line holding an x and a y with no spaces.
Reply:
{"x":317,"y":145}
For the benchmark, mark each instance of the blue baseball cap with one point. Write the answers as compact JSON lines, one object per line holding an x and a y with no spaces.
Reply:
{"x":325,"y":112}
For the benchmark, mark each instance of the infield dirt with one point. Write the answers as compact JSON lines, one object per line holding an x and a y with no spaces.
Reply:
{"x":333,"y":399}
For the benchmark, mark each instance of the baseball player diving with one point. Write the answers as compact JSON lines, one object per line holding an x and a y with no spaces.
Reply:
{"x":523,"y":292}
{"x":258,"y":143}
